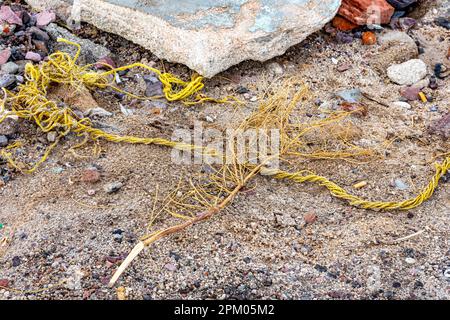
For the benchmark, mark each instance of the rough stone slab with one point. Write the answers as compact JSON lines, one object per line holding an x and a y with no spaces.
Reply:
{"x":364,"y":12}
{"x":208,"y":36}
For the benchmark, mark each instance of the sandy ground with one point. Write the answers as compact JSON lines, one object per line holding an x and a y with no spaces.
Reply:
{"x":259,"y":247}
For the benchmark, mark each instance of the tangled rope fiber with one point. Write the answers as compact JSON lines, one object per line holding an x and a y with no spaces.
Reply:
{"x":31,"y":103}
{"x":338,"y":192}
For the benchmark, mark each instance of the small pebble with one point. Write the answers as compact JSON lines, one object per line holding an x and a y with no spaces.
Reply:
{"x":434,"y":108}
{"x":440,"y":71}
{"x":105,"y":63}
{"x":399,"y":184}
{"x":410,"y":93}
{"x":33,"y":56}
{"x":360,"y":185}
{"x":118,"y":237}
{"x":91,"y":175}
{"x":5,"y":55}
{"x":433,"y":83}
{"x":9,"y":126}
{"x":10,"y":68}
{"x":44,"y":18}
{"x":410,"y":260}
{"x":154,"y":89}
{"x":16,"y":262}
{"x":40,"y":46}
{"x":402,"y":105}
{"x":447,"y":274}
{"x":8,"y":15}
{"x":3,"y":141}
{"x":39,"y":34}
{"x":369,"y":38}
{"x":98,"y":112}
{"x":310,"y":218}
{"x":7,"y":81}
{"x":400,"y":5}
{"x":443,"y":22}
{"x":170,"y":267}
{"x":113,"y":187}
{"x":52,"y":136}
{"x":4,"y":283}
{"x":276,"y":68}
{"x":343,"y":67}
{"x":343,"y":24}
{"x":241,"y":90}
{"x":406,"y":23}
{"x":343,"y":37}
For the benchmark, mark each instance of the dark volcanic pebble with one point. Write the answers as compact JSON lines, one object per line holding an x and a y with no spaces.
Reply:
{"x":39,"y":34}
{"x":401,"y":4}
{"x":443,"y":22}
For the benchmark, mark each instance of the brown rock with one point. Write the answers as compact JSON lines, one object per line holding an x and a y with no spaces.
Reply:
{"x":40,"y":46}
{"x":310,"y":218}
{"x":90,"y":175}
{"x":441,"y":126}
{"x":105,"y":63}
{"x":362,"y":12}
{"x":410,"y":93}
{"x":343,"y":67}
{"x":80,"y":99}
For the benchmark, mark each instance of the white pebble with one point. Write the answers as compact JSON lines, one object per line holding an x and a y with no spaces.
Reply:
{"x":407,"y":73}
{"x":401,"y":105}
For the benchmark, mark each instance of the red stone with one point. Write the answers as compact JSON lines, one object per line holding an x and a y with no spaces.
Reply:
{"x":343,"y":24}
{"x":410,"y":93}
{"x":362,"y":12}
{"x":4,"y":283}
{"x":369,"y":38}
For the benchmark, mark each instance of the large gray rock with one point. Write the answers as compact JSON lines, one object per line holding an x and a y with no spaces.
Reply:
{"x":208,"y":36}
{"x":91,"y":52}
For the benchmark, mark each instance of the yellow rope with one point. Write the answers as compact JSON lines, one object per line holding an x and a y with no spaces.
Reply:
{"x":174,"y":88}
{"x":23,"y":292}
{"x":31,"y":102}
{"x":338,"y":192}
